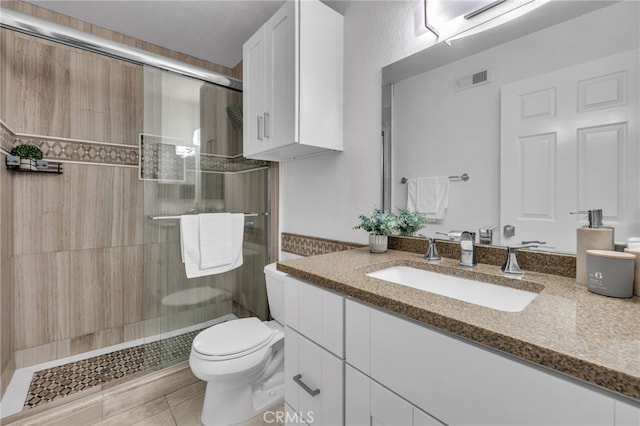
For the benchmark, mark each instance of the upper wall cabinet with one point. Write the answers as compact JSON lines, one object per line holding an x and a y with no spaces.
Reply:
{"x":293,"y":83}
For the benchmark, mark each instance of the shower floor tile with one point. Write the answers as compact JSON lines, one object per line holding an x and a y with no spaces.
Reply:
{"x":58,"y":382}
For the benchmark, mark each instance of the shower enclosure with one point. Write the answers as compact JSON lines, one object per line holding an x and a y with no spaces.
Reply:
{"x":191,"y":162}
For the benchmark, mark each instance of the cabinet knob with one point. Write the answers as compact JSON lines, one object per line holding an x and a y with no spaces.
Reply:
{"x":298,"y":379}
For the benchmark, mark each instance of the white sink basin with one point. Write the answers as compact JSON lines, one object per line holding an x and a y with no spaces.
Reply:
{"x":489,"y":295}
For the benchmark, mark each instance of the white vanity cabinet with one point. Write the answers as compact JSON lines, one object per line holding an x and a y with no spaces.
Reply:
{"x":314,"y":354}
{"x":293,"y":83}
{"x":455,"y":382}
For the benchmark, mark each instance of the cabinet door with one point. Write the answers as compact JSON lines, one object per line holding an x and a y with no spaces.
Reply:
{"x":314,"y":381}
{"x":626,"y":414}
{"x":291,"y":417}
{"x":357,"y":400}
{"x":420,"y":418}
{"x":368,"y":403}
{"x":253,"y":95}
{"x":316,"y":313}
{"x":388,"y":409}
{"x":357,"y":334}
{"x":280,"y":113}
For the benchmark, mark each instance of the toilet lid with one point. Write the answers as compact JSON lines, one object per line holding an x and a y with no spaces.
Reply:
{"x":232,"y":337}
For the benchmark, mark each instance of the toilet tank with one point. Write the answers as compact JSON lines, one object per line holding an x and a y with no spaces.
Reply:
{"x":275,"y":291}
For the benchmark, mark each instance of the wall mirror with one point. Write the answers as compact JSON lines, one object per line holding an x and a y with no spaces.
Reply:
{"x":551,"y":127}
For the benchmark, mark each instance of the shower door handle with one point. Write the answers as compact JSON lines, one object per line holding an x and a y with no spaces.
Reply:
{"x":298,"y":379}
{"x":267,"y":125}
{"x":260,"y":127}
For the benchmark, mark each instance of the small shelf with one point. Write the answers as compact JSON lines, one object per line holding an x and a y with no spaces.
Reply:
{"x":51,"y":167}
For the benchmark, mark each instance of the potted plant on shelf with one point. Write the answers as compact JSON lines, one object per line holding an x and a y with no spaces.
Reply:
{"x":410,"y":222}
{"x":29,"y":155}
{"x":380,"y":225}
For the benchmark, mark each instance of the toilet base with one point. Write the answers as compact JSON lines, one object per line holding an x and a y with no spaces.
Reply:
{"x":224,"y":406}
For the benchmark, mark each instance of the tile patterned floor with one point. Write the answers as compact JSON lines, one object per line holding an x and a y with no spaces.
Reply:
{"x":57,"y":382}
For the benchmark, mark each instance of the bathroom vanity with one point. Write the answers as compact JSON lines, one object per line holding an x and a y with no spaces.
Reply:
{"x":362,"y":350}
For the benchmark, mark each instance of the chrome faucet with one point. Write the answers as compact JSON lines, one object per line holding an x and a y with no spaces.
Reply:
{"x":510,"y":265}
{"x":432,"y":251}
{"x":467,"y":249}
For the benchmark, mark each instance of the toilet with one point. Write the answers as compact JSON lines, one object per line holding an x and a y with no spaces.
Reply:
{"x":242,"y":361}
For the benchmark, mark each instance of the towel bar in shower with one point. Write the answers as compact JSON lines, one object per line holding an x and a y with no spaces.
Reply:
{"x":176,"y":217}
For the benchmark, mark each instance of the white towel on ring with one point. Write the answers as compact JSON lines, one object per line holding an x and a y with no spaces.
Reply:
{"x":428,"y":195}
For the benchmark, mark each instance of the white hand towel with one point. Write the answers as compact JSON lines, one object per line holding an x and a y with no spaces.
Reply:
{"x":412,"y":194}
{"x":215,"y":240}
{"x":429,"y":195}
{"x":190,"y":239}
{"x":192,"y":263}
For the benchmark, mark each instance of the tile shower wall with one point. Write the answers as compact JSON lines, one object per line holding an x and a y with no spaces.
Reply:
{"x":72,"y":278}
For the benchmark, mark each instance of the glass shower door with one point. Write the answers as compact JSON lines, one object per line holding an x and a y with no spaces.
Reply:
{"x":191,"y":163}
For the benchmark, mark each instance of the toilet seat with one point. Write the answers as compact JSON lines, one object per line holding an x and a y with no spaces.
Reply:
{"x":232,"y":339}
{"x":239,"y":366}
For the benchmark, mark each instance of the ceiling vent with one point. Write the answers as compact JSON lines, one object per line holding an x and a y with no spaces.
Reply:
{"x":472,"y":80}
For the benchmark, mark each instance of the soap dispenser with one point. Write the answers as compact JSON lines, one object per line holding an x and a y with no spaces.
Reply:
{"x":595,"y":236}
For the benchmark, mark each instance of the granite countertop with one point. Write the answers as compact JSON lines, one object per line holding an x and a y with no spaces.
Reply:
{"x":566,"y":328}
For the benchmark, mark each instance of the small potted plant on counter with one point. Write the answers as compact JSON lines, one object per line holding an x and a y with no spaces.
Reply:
{"x":29,"y":155}
{"x":410,"y":222}
{"x":380,"y":225}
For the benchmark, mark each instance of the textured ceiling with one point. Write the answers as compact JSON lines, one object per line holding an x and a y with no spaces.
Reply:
{"x":209,"y":29}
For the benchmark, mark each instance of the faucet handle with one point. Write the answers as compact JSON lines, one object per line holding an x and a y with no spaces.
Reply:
{"x":432,"y":251}
{"x":510,"y":265}
{"x":525,"y":245}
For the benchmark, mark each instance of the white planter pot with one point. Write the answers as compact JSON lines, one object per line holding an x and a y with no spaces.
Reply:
{"x":378,"y":243}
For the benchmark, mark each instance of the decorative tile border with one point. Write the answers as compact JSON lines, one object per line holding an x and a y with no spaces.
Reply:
{"x":72,"y":150}
{"x":81,"y":151}
{"x":304,"y":245}
{"x":6,"y":138}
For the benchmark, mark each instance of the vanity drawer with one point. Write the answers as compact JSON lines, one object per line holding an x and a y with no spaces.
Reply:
{"x":316,"y":313}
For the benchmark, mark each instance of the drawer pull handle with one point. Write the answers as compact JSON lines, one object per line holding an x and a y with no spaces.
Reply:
{"x":298,"y":379}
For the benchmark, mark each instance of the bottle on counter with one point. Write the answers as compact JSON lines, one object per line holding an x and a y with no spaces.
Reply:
{"x":594,"y":236}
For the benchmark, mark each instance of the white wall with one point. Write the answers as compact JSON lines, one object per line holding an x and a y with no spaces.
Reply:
{"x":323,"y":196}
{"x":437,"y":131}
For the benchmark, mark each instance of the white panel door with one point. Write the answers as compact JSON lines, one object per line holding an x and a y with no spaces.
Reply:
{"x":569,"y":141}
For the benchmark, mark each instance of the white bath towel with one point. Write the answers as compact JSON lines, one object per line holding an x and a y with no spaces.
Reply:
{"x":428,"y":195}
{"x":215,"y":239}
{"x":190,"y":246}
